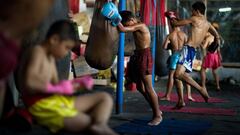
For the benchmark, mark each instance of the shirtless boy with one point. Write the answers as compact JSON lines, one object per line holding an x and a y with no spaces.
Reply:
{"x":199,"y":28}
{"x":50,"y":100}
{"x":142,"y":61}
{"x":174,"y":41}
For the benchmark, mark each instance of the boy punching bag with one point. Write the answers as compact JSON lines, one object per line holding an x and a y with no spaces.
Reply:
{"x":102,"y":42}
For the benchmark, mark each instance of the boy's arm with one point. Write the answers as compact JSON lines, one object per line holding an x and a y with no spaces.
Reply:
{"x":34,"y":80}
{"x":205,"y":42}
{"x":166,"y":42}
{"x":214,"y":32}
{"x":219,"y":53}
{"x":133,"y":28}
{"x":55,"y":76}
{"x":182,"y":22}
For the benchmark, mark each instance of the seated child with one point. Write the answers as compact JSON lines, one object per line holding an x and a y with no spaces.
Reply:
{"x":49,"y":100}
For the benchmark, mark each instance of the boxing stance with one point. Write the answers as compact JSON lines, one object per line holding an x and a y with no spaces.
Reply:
{"x":51,"y":101}
{"x":174,"y":42}
{"x":200,"y":26}
{"x":142,"y":58}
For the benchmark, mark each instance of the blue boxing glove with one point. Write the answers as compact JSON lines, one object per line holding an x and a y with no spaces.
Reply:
{"x":116,"y":21}
{"x":110,"y":11}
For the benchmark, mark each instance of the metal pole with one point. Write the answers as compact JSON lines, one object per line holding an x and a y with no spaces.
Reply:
{"x":154,"y":47}
{"x":153,"y":55}
{"x":120,"y":66}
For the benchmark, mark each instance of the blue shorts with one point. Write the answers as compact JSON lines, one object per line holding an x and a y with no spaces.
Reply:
{"x":187,"y":55}
{"x":173,"y":60}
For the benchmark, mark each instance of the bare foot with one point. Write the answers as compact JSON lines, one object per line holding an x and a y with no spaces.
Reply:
{"x":179,"y":105}
{"x":102,"y":130}
{"x":205,"y":95}
{"x":165,"y":98}
{"x":190,"y":98}
{"x":160,"y":112}
{"x":218,"y":89}
{"x":155,"y":121}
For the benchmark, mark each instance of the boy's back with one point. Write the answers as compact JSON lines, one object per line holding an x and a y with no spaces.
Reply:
{"x":177,"y":40}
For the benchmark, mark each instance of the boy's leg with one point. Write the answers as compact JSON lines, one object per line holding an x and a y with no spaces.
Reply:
{"x":203,"y":77}
{"x":157,"y":114}
{"x":83,"y":122}
{"x":169,"y":86}
{"x":179,"y":87}
{"x":141,"y":89}
{"x":99,"y":107}
{"x":189,"y":94}
{"x":216,"y":77}
{"x":79,"y":123}
{"x":188,"y":79}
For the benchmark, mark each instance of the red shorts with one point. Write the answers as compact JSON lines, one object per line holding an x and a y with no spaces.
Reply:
{"x":140,"y":64}
{"x":211,"y":60}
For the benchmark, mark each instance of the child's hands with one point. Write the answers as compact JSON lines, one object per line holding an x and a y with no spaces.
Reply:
{"x":63,"y":87}
{"x":85,"y":82}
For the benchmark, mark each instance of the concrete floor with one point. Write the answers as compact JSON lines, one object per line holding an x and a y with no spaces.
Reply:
{"x":135,"y":107}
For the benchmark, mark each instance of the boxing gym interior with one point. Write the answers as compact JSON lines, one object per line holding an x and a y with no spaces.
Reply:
{"x":100,"y":65}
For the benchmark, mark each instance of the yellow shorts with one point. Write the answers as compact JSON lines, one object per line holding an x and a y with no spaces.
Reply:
{"x":51,"y":111}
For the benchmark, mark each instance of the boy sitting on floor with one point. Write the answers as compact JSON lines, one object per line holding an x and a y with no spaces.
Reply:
{"x":49,"y":100}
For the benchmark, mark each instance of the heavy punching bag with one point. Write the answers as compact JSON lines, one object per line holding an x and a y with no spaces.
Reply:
{"x":161,"y":32}
{"x":102,"y":42}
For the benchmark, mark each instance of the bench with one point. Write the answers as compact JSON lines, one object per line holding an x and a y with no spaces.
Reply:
{"x":231,"y":64}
